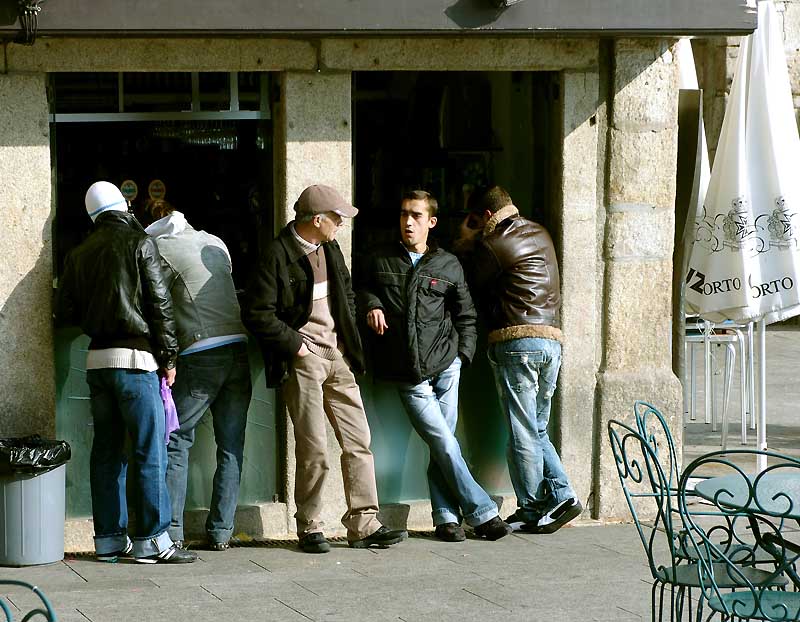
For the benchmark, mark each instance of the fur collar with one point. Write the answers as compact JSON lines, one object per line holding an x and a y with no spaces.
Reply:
{"x":499,"y":216}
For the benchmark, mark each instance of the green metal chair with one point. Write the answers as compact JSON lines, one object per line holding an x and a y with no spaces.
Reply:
{"x":769,"y":500}
{"x":653,"y":426}
{"x":648,"y":493}
{"x":40,"y":613}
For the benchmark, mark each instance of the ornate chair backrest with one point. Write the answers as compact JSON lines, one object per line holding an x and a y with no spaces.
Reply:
{"x":42,"y":612}
{"x":653,"y":426}
{"x":767,"y":500}
{"x":647,"y":492}
{"x":727,"y":529}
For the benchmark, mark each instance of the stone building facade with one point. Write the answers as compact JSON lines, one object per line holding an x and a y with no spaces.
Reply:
{"x":716,"y":58}
{"x":614,"y":144}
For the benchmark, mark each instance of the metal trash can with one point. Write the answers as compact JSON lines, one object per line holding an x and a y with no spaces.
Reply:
{"x":32,"y":504}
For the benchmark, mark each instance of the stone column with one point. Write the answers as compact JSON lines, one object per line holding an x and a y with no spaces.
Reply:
{"x":578,"y":242}
{"x":27,"y":383}
{"x":637,"y":322}
{"x":313,"y":146}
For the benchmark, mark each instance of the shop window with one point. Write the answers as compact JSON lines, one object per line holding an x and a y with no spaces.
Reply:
{"x":208,"y":138}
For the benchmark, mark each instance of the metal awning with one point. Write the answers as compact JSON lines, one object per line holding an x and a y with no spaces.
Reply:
{"x":385,"y":17}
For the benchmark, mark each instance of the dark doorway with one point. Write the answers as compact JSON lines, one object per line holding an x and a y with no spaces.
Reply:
{"x":208,"y":138}
{"x":448,"y":132}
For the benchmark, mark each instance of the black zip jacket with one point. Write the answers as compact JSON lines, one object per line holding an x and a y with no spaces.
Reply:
{"x":113,"y":288}
{"x":427,"y":307}
{"x":278,"y":303}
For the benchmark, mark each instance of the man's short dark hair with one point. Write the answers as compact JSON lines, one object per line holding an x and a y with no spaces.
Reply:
{"x":491,"y":198}
{"x":422,"y":195}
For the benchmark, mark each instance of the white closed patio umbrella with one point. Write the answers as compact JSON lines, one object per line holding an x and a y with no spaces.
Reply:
{"x":744,"y":264}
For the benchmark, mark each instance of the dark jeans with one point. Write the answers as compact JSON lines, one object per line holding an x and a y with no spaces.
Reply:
{"x":219,"y":379}
{"x":127,"y":400}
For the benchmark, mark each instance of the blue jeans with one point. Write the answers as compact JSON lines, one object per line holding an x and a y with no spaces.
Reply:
{"x":219,"y":379}
{"x":526,"y":371}
{"x":128,"y":400}
{"x":432,"y":407}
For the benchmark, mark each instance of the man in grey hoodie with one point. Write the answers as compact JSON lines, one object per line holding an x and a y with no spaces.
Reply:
{"x":213,"y":366}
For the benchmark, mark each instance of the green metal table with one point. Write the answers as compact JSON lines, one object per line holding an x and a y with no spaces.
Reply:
{"x":772,"y":494}
{"x":776,"y":495}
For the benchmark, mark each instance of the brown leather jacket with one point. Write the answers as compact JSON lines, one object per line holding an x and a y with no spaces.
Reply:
{"x":514,"y":278}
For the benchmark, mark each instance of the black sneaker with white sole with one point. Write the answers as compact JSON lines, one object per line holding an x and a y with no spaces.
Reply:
{"x":518,"y":522}
{"x":113,"y":557}
{"x":555,"y":519}
{"x":172,"y":555}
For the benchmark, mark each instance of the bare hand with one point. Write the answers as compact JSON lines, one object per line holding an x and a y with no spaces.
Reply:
{"x":377,"y":321}
{"x":465,"y":232}
{"x":303,"y":351}
{"x":169,"y":374}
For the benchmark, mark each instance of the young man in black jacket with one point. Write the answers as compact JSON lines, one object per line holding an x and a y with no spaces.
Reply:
{"x":112,"y":287}
{"x":301,"y":308}
{"x":419,"y":308}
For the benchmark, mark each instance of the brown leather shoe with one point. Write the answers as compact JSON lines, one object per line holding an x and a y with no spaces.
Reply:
{"x":450,"y":532}
{"x":493,"y":529}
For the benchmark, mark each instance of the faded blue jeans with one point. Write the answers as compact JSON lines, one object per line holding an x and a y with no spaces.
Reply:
{"x":219,"y":379}
{"x":128,"y":401}
{"x":526,"y":371}
{"x":432,"y":407}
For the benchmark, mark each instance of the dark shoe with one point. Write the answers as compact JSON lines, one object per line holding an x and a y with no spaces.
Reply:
{"x":383,"y":537}
{"x":172,"y":555}
{"x":518,"y":522}
{"x":450,"y":532}
{"x":218,"y":546}
{"x":113,"y":558}
{"x":493,"y":529}
{"x":314,"y":543}
{"x":556,"y":518}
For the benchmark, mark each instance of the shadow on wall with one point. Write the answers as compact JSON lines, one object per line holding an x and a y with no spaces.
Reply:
{"x":27,"y":404}
{"x":473,"y":13}
{"x":9,"y":12}
{"x":26,"y":336}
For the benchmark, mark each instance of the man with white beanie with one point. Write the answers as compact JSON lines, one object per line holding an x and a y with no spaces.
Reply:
{"x":113,"y":288}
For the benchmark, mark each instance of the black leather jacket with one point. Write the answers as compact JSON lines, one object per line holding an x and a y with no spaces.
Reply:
{"x":514,"y":273}
{"x":427,"y":307}
{"x":278,"y":303}
{"x":113,"y":288}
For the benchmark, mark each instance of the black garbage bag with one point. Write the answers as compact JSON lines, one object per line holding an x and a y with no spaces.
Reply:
{"x":32,"y":455}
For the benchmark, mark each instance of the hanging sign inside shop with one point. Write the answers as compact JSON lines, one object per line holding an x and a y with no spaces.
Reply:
{"x":129,"y":190}
{"x":157,"y":189}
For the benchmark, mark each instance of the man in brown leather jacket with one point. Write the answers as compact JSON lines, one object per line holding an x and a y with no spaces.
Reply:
{"x":513,"y":273}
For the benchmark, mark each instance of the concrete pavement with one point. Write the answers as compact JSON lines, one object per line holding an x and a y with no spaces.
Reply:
{"x":586,"y":572}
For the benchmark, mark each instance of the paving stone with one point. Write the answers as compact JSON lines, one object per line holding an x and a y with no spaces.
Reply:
{"x":590,"y":572}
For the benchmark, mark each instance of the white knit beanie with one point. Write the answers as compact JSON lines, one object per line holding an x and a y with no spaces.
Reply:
{"x":103,"y":196}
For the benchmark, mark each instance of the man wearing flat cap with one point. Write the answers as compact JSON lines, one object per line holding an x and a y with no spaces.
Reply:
{"x":301,"y":307}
